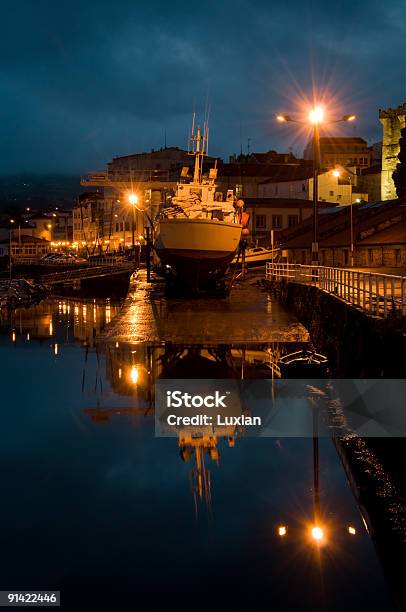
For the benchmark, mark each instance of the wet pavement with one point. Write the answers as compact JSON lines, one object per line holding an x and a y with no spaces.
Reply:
{"x":248,"y":315}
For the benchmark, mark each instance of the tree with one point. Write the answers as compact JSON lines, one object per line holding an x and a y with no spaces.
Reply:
{"x":399,"y":175}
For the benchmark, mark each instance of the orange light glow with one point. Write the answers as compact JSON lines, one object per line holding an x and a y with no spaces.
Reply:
{"x":317,"y":533}
{"x":134,"y":374}
{"x":336,"y":173}
{"x":132,"y":198}
{"x":316,"y":115}
{"x":280,"y":118}
{"x":351,"y":530}
{"x":282,"y":530}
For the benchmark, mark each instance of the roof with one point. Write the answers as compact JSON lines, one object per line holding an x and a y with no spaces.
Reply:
{"x":334,"y":229}
{"x":285,"y":202}
{"x":24,"y":239}
{"x":149,"y":153}
{"x":394,"y":234}
{"x":266,"y":170}
{"x":285,"y":174}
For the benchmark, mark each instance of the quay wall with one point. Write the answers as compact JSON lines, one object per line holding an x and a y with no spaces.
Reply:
{"x":356,"y":344}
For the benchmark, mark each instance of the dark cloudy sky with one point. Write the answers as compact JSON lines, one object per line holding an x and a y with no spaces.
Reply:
{"x":81,"y":82}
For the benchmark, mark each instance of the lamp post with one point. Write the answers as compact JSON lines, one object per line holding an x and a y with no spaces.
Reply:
{"x":10,"y":257}
{"x":315,"y":118}
{"x":133,"y":199}
{"x":338,"y":173}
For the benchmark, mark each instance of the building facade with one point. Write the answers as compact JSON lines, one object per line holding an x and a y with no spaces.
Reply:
{"x":393,"y":120}
{"x":25,"y":247}
{"x":343,"y":189}
{"x":104,"y":222}
{"x":277,"y":214}
{"x":347,"y":151}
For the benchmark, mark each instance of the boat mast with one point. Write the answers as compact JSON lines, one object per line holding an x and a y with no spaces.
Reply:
{"x":199,"y":149}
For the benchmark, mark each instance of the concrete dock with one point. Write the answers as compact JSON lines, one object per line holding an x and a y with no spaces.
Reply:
{"x":248,"y":315}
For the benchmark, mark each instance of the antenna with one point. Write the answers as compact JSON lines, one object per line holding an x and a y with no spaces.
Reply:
{"x":165,"y":137}
{"x":241,"y":138}
{"x":193,"y":124}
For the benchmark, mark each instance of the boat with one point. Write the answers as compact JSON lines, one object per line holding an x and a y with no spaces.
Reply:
{"x":197,"y":234}
{"x":256,"y":256}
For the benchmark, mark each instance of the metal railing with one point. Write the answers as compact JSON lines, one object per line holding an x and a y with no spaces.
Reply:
{"x":379,"y":294}
{"x":85,"y":273}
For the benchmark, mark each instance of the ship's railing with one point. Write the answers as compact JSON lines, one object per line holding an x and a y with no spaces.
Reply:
{"x":378,"y":294}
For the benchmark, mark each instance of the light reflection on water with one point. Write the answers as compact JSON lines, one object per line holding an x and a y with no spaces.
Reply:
{"x":88,"y":492}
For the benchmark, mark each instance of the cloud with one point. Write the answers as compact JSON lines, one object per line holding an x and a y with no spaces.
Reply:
{"x":82,"y":81}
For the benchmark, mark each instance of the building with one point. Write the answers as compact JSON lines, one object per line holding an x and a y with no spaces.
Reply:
{"x":62,"y":225}
{"x":277,"y":214}
{"x":393,"y":120}
{"x":24,"y":247}
{"x":298,"y":182}
{"x":162,"y":165}
{"x":38,"y":226}
{"x":104,"y":222}
{"x":369,"y":181}
{"x":244,"y":177}
{"x":347,"y":151}
{"x":268,"y":158}
{"x":379,"y":234}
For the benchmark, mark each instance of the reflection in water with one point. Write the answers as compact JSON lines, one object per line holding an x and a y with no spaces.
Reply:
{"x":64,"y":320}
{"x":276,"y":504}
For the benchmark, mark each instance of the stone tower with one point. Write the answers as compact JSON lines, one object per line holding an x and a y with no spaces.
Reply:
{"x":393,"y":120}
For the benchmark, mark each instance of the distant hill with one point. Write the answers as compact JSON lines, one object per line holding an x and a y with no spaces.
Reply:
{"x":38,"y":191}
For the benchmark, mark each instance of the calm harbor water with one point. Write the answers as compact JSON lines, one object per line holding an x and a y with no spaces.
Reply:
{"x":92,"y":504}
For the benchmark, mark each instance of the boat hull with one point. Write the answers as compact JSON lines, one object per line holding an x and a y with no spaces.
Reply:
{"x":196,"y":249}
{"x":256,"y":259}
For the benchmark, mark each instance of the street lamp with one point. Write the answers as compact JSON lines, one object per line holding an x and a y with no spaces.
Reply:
{"x":133,"y":199}
{"x":10,"y":257}
{"x":337,"y":173}
{"x":315,"y":118}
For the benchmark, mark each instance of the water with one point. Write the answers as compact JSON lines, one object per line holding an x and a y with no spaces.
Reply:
{"x":92,"y":504}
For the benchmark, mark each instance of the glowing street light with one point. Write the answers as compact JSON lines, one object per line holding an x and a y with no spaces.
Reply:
{"x":282,"y":531}
{"x":316,"y":115}
{"x":315,"y":118}
{"x":317,"y":533}
{"x":134,"y":375}
{"x":351,"y":530}
{"x":133,"y":199}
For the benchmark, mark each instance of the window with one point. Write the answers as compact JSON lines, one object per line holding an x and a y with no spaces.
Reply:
{"x":260,"y":221}
{"x":303,"y":186}
{"x":276,"y":221}
{"x":293,"y":220}
{"x":331,"y":193}
{"x":127,"y":226}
